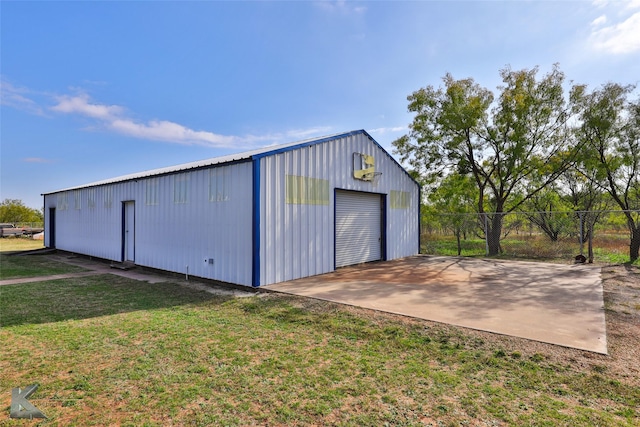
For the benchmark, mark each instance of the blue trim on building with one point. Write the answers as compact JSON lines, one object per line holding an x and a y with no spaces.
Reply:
{"x":123,"y":225}
{"x":388,"y":155}
{"x":309,"y":143}
{"x":383,"y":226}
{"x":335,"y":190}
{"x":255,"y":275}
{"x":332,"y":138}
{"x":419,"y":217}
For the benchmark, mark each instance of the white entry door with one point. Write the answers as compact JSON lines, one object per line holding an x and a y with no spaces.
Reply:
{"x":129,"y":231}
{"x":358,"y":227}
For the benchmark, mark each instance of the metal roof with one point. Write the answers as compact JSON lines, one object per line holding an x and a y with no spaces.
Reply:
{"x":247,"y":155}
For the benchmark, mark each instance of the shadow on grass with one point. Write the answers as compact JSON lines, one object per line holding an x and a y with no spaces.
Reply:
{"x":15,"y":266}
{"x":88,"y":297}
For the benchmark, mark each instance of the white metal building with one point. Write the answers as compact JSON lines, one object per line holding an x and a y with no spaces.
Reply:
{"x":254,"y":218}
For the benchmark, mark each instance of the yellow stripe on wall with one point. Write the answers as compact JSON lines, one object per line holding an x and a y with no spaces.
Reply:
{"x":302,"y":190}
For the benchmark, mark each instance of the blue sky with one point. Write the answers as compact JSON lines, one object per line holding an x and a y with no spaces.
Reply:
{"x":94,"y":90}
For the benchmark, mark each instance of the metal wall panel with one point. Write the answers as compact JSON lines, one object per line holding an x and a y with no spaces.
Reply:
{"x":297,"y":240}
{"x":94,"y":231}
{"x":179,"y":237}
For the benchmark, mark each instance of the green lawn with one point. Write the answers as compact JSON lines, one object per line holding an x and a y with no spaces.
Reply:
{"x":13,"y":266}
{"x":13,"y":244}
{"x":607,"y":249}
{"x":111,"y":351}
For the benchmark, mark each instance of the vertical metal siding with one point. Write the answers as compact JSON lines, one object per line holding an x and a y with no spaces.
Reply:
{"x":182,"y":236}
{"x":168,"y":236}
{"x":297,"y":240}
{"x":94,"y":231}
{"x":293,"y":240}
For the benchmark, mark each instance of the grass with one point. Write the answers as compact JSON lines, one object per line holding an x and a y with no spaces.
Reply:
{"x":16,"y":244}
{"x":607,"y":249}
{"x":107,"y":350}
{"x":442,"y":245}
{"x":13,"y":267}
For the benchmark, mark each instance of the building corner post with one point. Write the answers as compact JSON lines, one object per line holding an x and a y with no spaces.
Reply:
{"x":255,"y":276}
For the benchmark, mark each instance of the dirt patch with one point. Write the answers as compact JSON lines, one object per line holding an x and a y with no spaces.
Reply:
{"x":219,"y":290}
{"x":622,"y":305}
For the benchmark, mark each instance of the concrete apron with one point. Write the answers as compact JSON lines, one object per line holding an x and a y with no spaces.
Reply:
{"x":552,"y":303}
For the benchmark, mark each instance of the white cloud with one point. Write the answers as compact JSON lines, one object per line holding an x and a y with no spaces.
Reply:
{"x":37,"y":160}
{"x":114,"y":118}
{"x":633,"y":4}
{"x":618,"y":31}
{"x":341,"y":6}
{"x":602,"y":19}
{"x":306,"y":133}
{"x":620,"y":38}
{"x":162,"y":130}
{"x":80,"y":104}
{"x":388,"y":130}
{"x":626,"y":4}
{"x":18,"y":98}
{"x":283,"y":137}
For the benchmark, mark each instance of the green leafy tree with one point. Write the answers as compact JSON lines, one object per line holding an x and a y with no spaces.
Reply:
{"x":452,"y":203}
{"x":590,"y":202}
{"x":513,"y":145}
{"x":548,"y":211}
{"x":14,"y":211}
{"x":610,"y":132}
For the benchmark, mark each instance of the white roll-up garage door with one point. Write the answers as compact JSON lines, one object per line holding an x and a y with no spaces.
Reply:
{"x":358,"y":227}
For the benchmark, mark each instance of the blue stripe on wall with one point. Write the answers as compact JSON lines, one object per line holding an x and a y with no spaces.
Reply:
{"x":419,"y":217}
{"x":255,"y":279}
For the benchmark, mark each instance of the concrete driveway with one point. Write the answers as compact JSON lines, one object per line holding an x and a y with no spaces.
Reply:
{"x":553,"y":303}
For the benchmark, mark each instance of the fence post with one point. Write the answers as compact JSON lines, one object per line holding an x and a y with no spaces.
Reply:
{"x":486,"y":234}
{"x":581,"y":215}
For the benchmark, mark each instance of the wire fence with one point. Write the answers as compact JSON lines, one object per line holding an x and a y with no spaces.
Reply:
{"x":599,"y":236}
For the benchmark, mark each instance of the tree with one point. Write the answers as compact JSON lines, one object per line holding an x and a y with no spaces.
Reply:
{"x":548,"y":211}
{"x":610,"y":132}
{"x":14,"y":211}
{"x":589,"y":201}
{"x":452,"y":201}
{"x":516,"y":144}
